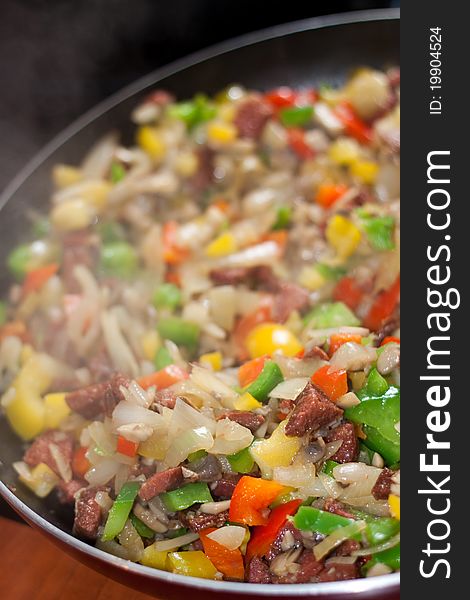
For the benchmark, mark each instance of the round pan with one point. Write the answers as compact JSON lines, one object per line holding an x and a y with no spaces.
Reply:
{"x":323,"y":49}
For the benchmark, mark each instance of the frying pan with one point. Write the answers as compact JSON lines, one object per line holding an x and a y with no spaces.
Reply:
{"x":317,"y":50}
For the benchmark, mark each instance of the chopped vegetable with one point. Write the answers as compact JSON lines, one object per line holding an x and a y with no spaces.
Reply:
{"x":181,"y":332}
{"x":355,"y":127}
{"x":80,"y":463}
{"x":331,"y":314}
{"x":267,"y":338}
{"x":167,"y":295}
{"x":212,"y":360}
{"x":383,"y":307}
{"x":18,"y":261}
{"x":329,"y":466}
{"x":309,"y":518}
{"x":298,"y":143}
{"x":379,"y":230}
{"x":242,"y":461}
{"x":334,"y":383}
{"x":296,"y":116}
{"x":118,"y":172}
{"x":35,"y":279}
{"x":142,"y":529}
{"x":119,"y":259}
{"x":343,"y":235}
{"x":221,"y":133}
{"x":120,"y":510}
{"x":394,"y":504}
{"x":162,"y":358}
{"x":222,"y":245}
{"x":263,"y":536}
{"x":172,"y":253}
{"x":186,"y":496}
{"x":163,"y":378}
{"x":193,"y":563}
{"x":348,"y":292}
{"x":376,"y":384}
{"x":267,"y":380}
{"x":338,"y":339}
{"x":126,"y":447}
{"x":250,"y":370}
{"x":157,"y":559}
{"x":151,"y":141}
{"x":330,"y":273}
{"x":194,"y":112}
{"x":229,"y":562}
{"x":276,"y":451}
{"x":246,"y":402}
{"x":283,"y":217}
{"x":250,"y":497}
{"x":328,"y":193}
{"x":56,"y":410}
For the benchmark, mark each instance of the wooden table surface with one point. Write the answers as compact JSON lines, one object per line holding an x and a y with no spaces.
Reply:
{"x":31,"y":568}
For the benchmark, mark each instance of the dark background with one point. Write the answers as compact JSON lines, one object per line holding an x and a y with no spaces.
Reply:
{"x":58,"y":58}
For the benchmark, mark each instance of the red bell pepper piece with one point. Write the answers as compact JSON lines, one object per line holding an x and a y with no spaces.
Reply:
{"x":338,"y":339}
{"x":251,"y":496}
{"x":263,"y":536}
{"x":334,"y":384}
{"x":383,"y":307}
{"x":349,"y":292}
{"x":37,"y":278}
{"x":329,"y":193}
{"x":281,"y":97}
{"x":163,"y":378}
{"x":229,"y":562}
{"x":390,"y":338}
{"x":126,"y":447}
{"x":296,"y":139}
{"x":172,"y":253}
{"x":354,"y":126}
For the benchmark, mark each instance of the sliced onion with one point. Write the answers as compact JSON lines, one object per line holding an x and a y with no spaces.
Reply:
{"x":187,"y":442}
{"x":210,"y":383}
{"x":264,"y":253}
{"x":379,"y":508}
{"x":112,"y":547}
{"x":355,"y":472}
{"x":332,"y":488}
{"x":193,"y":394}
{"x":332,"y":448}
{"x":353,"y":357}
{"x":149,"y":518}
{"x":126,"y":413}
{"x":393,"y":541}
{"x":289,"y":389}
{"x":186,"y":417}
{"x":63,"y":466}
{"x":223,"y":306}
{"x":319,"y":336}
{"x":347,"y":400}
{"x":336,"y":538}
{"x":231,"y":536}
{"x":102,"y":437}
{"x":297,"y":476}
{"x":174,"y":544}
{"x":102,"y":472}
{"x":341,"y":560}
{"x":230,"y":437}
{"x":215,"y":508}
{"x":297,"y":368}
{"x":131,"y":541}
{"x":103,"y":500}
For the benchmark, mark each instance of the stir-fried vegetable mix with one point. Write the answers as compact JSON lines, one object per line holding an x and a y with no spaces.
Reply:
{"x":200,"y":346}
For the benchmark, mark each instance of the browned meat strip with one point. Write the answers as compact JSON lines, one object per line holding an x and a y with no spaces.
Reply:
{"x":164,"y":481}
{"x":381,"y":489}
{"x":230,"y":276}
{"x":316,"y":352}
{"x":198,"y":521}
{"x":251,"y":117}
{"x":290,"y":297}
{"x":66,"y":490}
{"x":313,"y":410}
{"x":287,"y":533}
{"x":203,"y":176}
{"x":100,"y":367}
{"x":97,"y":399}
{"x":338,"y":571}
{"x":79,"y":248}
{"x":337,"y":508}
{"x":258,"y":571}
{"x":40,"y":451}
{"x":245,"y":418}
{"x":308,"y":570}
{"x":349,"y":449}
{"x":223,"y":489}
{"x":285,"y":406}
{"x":165,"y":398}
{"x":87,"y":514}
{"x":260,"y":276}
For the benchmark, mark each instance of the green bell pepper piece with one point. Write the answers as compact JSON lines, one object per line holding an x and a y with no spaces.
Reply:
{"x":167,"y":295}
{"x":118,"y":172}
{"x":266,"y":381}
{"x":193,"y":112}
{"x":120,"y":510}
{"x":41,"y":227}
{"x":388,"y":450}
{"x":331,"y":314}
{"x":142,"y":528}
{"x":296,"y":116}
{"x":329,"y":466}
{"x":175,"y":533}
{"x":390,"y":557}
{"x":379,"y":230}
{"x":380,"y":529}
{"x":309,"y":518}
{"x":242,"y":461}
{"x":3,"y":312}
{"x":183,"y":333}
{"x":186,"y":496}
{"x":162,"y":358}
{"x":18,"y":260}
{"x":376,"y":384}
{"x":119,"y":259}
{"x":330,"y":273}
{"x":194,"y":456}
{"x":283,"y":217}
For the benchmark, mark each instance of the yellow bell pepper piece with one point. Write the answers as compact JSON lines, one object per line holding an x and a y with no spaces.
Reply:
{"x":41,"y":480}
{"x":151,"y":342}
{"x":343,"y":235}
{"x":220,"y":132}
{"x":155,"y":446}
{"x":150,"y":140}
{"x":186,"y":164}
{"x":65,"y":175}
{"x":344,"y":151}
{"x":246,"y":402}
{"x":269,"y":337}
{"x":212,"y":360}
{"x":193,"y":563}
{"x":157,"y":559}
{"x":56,"y":409}
{"x":311,"y":279}
{"x":276,"y":451}
{"x":26,"y":411}
{"x":394,"y":504}
{"x":365,"y":170}
{"x":222,"y":245}
{"x":227,"y":112}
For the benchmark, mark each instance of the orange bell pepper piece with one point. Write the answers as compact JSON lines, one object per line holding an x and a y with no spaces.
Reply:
{"x":383,"y":307}
{"x":329,"y":193}
{"x":80,"y":463}
{"x":229,"y":562}
{"x":390,"y":338}
{"x":338,"y":339}
{"x":172,"y":253}
{"x":163,"y":378}
{"x":348,"y":292}
{"x":250,"y":370}
{"x":263,"y":536}
{"x":334,"y":384}
{"x":279,"y":237}
{"x":251,"y":496}
{"x":126,"y":447}
{"x":296,"y":139}
{"x":37,"y":278}
{"x":14,"y":329}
